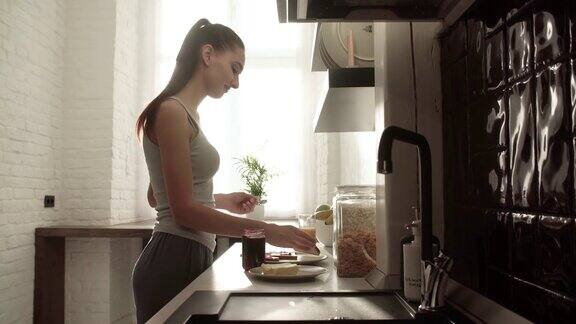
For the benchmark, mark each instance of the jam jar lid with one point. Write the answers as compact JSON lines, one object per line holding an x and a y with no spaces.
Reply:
{"x":254,"y":233}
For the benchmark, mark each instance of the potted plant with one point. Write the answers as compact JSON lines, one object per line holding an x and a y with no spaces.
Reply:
{"x":255,"y":176}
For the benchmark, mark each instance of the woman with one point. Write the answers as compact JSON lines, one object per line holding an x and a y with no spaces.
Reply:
{"x":181,"y":163}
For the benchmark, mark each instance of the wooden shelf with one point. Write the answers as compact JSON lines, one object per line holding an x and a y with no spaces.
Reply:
{"x":136,"y":229}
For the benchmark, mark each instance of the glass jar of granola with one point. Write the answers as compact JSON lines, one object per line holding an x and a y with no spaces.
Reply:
{"x":354,"y":230}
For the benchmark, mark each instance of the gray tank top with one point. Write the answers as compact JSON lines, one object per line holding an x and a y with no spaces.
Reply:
{"x":205,"y":163}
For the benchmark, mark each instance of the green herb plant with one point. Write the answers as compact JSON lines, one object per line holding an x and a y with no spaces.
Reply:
{"x":255,"y":176}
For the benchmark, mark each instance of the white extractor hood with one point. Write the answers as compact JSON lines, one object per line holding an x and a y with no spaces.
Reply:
{"x":346,"y":102}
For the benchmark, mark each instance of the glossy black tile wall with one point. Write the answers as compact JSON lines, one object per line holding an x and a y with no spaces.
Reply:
{"x":488,"y":174}
{"x":524,"y":193}
{"x":455,"y":94}
{"x":470,"y":246}
{"x":509,"y":89}
{"x":541,"y":305}
{"x":519,"y":47}
{"x":498,"y":239}
{"x":524,"y":228}
{"x":553,"y":139}
{"x":573,"y":91}
{"x":495,"y":60}
{"x":550,"y":30}
{"x":572,"y":23}
{"x":488,"y":122}
{"x":556,"y":251}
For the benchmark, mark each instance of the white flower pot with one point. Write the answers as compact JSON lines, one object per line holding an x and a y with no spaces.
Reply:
{"x":257,"y":214}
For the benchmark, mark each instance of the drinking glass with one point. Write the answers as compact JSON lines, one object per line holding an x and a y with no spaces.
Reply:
{"x":307,"y":224}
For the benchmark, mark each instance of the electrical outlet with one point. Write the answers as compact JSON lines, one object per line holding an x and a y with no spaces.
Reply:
{"x":49,"y":201}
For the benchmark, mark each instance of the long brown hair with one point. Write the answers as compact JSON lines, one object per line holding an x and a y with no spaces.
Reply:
{"x":203,"y":32}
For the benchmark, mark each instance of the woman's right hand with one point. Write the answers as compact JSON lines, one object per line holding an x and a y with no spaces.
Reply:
{"x":290,"y":237}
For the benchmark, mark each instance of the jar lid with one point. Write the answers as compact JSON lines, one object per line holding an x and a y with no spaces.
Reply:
{"x":254,"y":233}
{"x":352,"y":188}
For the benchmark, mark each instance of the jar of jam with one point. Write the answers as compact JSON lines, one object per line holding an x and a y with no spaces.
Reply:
{"x":253,"y":248}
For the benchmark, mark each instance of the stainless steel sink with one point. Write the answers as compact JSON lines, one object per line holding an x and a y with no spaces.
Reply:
{"x":317,"y":307}
{"x":221,"y":306}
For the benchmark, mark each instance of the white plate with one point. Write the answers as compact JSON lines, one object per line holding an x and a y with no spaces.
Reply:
{"x":364,"y":39}
{"x":304,"y":258}
{"x":335,"y":39}
{"x":328,"y":62}
{"x":304,"y":271}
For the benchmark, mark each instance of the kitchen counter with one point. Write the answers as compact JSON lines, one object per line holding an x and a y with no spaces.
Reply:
{"x":226,"y":281}
{"x":226,"y":274}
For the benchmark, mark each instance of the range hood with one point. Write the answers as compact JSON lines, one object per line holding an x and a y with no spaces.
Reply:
{"x":371,"y":10}
{"x":347,"y":102}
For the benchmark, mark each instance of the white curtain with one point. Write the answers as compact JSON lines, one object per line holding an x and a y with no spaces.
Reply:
{"x":270,"y":115}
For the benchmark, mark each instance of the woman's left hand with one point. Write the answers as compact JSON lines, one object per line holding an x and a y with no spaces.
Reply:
{"x":237,"y":202}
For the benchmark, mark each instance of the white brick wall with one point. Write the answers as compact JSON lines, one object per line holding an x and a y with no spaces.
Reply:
{"x":31,"y":82}
{"x":123,"y":256}
{"x":126,"y":157}
{"x":125,"y":150}
{"x":68,"y":100}
{"x":87,"y":281}
{"x":87,"y":154}
{"x":106,"y":83}
{"x":88,"y":109}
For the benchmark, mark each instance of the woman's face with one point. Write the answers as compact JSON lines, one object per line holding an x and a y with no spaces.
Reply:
{"x":223,"y":70}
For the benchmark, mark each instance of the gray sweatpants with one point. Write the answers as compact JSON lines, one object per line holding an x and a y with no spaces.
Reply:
{"x":165,"y":267}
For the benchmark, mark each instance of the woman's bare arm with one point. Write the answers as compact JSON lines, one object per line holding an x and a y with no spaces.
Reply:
{"x":173,"y":134}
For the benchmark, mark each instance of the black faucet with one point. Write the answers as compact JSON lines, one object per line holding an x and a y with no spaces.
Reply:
{"x":390,"y":134}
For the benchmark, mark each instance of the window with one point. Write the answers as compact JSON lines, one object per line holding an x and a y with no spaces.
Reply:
{"x":270,"y":115}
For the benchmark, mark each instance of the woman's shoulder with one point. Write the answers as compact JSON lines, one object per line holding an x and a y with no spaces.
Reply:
{"x":172,"y":115}
{"x":170,"y":109}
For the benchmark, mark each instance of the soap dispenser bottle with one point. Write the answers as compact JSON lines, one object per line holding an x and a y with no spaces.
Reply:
{"x":411,"y":256}
{"x":409,"y":239}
